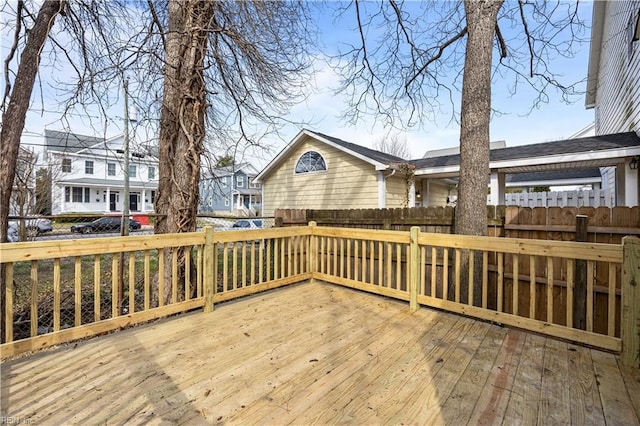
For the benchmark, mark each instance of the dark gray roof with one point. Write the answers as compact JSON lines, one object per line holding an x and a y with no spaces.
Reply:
{"x":568,"y":146}
{"x":556,"y":175}
{"x":68,"y":142}
{"x":378,"y":156}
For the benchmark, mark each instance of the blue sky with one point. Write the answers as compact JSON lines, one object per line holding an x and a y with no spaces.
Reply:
{"x":321,"y":110}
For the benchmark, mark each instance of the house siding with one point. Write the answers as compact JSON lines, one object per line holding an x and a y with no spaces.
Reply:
{"x":438,"y":193}
{"x":397,"y":192}
{"x":618,"y":90}
{"x":348,"y":182}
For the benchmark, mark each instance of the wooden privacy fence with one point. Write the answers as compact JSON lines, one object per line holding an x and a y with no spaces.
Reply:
{"x":604,"y":224}
{"x":92,"y":286}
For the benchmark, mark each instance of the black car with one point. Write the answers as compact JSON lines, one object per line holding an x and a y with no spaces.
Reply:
{"x":104,"y":224}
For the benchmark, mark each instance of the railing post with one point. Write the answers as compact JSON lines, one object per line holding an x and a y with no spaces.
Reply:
{"x":313,"y":250}
{"x":630,"y":325}
{"x":580,"y":288}
{"x":208,"y":277}
{"x":413,"y":265}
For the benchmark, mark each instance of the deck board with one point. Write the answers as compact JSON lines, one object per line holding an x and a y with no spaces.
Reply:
{"x":315,"y":353}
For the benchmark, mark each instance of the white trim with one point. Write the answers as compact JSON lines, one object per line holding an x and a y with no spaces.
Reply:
{"x":597,"y":30}
{"x":555,"y":182}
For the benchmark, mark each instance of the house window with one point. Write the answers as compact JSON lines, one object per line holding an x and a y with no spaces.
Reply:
{"x":77,"y":194}
{"x":133,"y":170}
{"x":254,"y":185}
{"x":111,"y":169}
{"x":153,"y":196}
{"x":88,"y":167}
{"x":239,"y":181}
{"x":225,"y":181}
{"x":152,"y":172}
{"x":66,"y":165}
{"x":310,"y":161}
{"x":226,"y":201}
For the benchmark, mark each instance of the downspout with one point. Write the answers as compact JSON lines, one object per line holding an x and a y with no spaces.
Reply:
{"x":382,"y":187}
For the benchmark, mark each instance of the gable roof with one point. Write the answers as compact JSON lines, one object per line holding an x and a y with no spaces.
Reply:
{"x":218,"y":172}
{"x":379,"y":160}
{"x":68,"y":142}
{"x":593,"y":151}
{"x":364,"y":151}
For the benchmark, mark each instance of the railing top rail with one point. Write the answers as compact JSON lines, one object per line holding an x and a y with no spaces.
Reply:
{"x":564,"y":249}
{"x":25,"y":251}
{"x":401,"y":237}
{"x":258,"y":234}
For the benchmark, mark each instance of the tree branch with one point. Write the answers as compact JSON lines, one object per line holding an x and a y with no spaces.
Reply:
{"x":441,"y":50}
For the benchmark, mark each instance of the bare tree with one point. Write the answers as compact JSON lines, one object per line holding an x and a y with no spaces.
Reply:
{"x":417,"y":57}
{"x":394,"y":144}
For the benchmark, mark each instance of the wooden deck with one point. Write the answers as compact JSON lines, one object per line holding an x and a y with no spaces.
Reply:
{"x":316,"y":354}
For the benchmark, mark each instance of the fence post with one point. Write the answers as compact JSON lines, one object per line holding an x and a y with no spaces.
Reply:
{"x":313,"y":250}
{"x":630,"y":324}
{"x":208,"y":277}
{"x":413,"y":264}
{"x":580,"y":289}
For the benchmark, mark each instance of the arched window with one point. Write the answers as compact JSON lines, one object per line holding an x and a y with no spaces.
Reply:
{"x":310,"y":161}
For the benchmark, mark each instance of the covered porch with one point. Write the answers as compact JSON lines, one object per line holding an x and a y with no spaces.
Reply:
{"x":319,"y":353}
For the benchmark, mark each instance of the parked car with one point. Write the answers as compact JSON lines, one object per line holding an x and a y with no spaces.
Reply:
{"x":34,"y":225}
{"x":247,"y":224}
{"x":103,"y":224}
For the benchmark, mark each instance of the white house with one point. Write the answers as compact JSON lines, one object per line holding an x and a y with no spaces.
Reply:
{"x":88,"y":173}
{"x":613,"y":86}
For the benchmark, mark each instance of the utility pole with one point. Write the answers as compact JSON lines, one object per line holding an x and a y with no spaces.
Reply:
{"x":124,"y":225}
{"x":124,"y":222}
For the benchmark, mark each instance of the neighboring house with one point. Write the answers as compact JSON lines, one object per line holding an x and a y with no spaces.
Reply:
{"x":613,"y":85}
{"x":88,"y":173}
{"x":316,"y":171}
{"x":231,"y":190}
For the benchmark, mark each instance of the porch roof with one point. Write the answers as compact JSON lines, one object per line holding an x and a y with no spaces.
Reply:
{"x":581,"y":153}
{"x":117,"y":183}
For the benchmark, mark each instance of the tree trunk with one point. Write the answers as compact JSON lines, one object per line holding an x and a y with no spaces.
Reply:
{"x":182,"y":119}
{"x":14,"y":117}
{"x":471,"y":215}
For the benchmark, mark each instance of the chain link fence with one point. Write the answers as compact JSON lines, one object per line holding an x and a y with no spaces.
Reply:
{"x":60,"y":227}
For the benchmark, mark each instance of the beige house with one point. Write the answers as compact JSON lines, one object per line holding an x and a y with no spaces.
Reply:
{"x":316,"y":171}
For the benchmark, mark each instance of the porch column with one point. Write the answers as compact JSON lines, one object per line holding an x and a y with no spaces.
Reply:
{"x":630,"y":186}
{"x":62,"y":195}
{"x":107,"y":200}
{"x":497,"y":189}
{"x":382,"y":190}
{"x":143,"y":201}
{"x":412,"y":193}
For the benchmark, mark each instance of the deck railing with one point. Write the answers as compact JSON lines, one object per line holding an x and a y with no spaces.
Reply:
{"x":65,"y":290}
